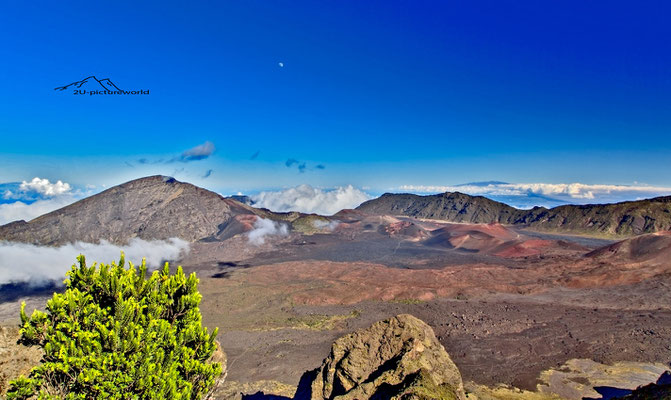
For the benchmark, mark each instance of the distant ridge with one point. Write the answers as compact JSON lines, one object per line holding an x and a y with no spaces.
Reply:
{"x":618,"y":219}
{"x":155,"y":207}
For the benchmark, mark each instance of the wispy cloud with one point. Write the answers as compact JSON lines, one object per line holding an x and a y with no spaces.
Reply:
{"x":328,"y":225}
{"x":266,"y":227}
{"x":302,"y":166}
{"x":305,"y":198}
{"x":200,"y":152}
{"x":38,"y":265}
{"x":569,"y":192}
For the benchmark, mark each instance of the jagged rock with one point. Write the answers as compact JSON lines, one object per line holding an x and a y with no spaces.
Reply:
{"x":395,"y":359}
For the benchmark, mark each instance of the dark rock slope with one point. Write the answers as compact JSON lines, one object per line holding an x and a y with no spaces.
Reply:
{"x":155,"y":207}
{"x":619,"y":219}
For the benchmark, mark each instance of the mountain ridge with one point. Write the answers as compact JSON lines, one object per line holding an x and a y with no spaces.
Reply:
{"x":153,"y":207}
{"x":614,"y":219}
{"x":160,"y":207}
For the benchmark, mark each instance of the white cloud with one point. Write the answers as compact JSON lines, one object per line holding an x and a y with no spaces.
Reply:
{"x":19,"y":210}
{"x":266,"y":227}
{"x":305,"y":198}
{"x":30,"y":199}
{"x":328,"y":225}
{"x":44,"y":187}
{"x":22,"y":262}
{"x":573,"y":192}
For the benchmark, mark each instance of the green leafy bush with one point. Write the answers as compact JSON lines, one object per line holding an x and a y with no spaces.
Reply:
{"x":116,"y":334}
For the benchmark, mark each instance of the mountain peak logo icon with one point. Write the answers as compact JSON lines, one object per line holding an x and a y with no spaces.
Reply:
{"x":105,"y":83}
{"x":96,"y":87}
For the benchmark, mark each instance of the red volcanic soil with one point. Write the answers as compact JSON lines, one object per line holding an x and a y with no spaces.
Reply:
{"x":497,"y":240}
{"x":653,"y":248}
{"x":327,"y":282}
{"x":487,"y":234}
{"x":527,"y":248}
{"x":348,"y":215}
{"x":407,"y":229}
{"x":480,"y":238}
{"x":493,"y":230}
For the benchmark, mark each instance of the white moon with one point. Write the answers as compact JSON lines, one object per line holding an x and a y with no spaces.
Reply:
{"x":281,"y":64}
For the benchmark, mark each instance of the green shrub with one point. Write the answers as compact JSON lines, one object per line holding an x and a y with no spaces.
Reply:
{"x":116,"y":334}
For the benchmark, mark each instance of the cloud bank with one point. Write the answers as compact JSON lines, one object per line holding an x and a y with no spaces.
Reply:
{"x":307,"y":199}
{"x":265,"y":227}
{"x":18,"y":210}
{"x":40,"y":265}
{"x":578,"y":193}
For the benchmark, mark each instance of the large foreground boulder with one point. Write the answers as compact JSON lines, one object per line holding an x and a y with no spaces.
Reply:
{"x":395,"y":359}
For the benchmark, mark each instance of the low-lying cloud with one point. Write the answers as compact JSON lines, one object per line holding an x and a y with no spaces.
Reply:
{"x":266,"y":227}
{"x":328,"y":225}
{"x":19,"y":210}
{"x":307,"y":199}
{"x":569,"y":192}
{"x":42,"y":265}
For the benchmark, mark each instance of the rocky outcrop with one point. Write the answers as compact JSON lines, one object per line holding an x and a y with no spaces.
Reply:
{"x":395,"y":359}
{"x":219,"y":356}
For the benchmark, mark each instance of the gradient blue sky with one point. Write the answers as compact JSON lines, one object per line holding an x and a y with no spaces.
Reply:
{"x":382,"y":94}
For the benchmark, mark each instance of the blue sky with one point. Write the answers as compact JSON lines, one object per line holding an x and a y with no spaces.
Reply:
{"x":379,"y":95}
